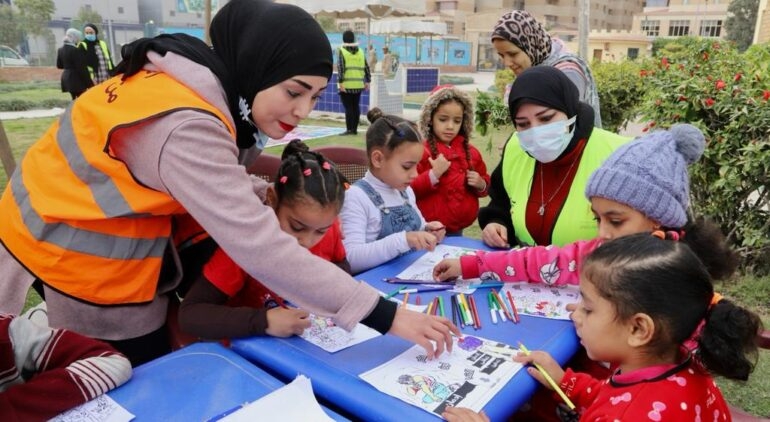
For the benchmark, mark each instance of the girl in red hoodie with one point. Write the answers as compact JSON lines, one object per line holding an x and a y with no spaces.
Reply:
{"x":452,"y":175}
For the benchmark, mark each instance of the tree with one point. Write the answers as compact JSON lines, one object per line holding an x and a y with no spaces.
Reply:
{"x":740,"y":23}
{"x":327,"y":23}
{"x":10,"y":26}
{"x":87,"y":16}
{"x":35,"y":15}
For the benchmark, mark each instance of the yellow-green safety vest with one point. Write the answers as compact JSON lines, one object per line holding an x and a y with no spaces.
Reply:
{"x":354,"y":75}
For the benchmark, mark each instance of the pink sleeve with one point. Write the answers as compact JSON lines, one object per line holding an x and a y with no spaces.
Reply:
{"x":552,"y":265}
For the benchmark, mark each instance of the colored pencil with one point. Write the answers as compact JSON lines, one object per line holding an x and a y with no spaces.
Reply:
{"x":395,"y":292}
{"x":550,"y":380}
{"x":513,"y":307}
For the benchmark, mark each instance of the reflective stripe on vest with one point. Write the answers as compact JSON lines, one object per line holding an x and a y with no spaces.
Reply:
{"x":75,"y":216}
{"x":354,"y":75}
{"x":105,"y":51}
{"x":575,"y":220}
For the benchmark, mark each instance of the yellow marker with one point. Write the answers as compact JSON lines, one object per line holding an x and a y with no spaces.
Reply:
{"x":550,"y":380}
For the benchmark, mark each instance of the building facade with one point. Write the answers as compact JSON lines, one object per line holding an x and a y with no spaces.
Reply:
{"x":679,"y":18}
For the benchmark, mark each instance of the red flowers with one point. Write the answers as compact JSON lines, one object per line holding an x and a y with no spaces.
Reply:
{"x":709,"y":102}
{"x":738,"y":77}
{"x":766,"y":95}
{"x":720,"y":84}
{"x":664,"y":63}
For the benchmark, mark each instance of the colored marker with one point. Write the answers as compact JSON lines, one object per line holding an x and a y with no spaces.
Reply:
{"x":406,"y":299}
{"x":513,"y":307}
{"x":550,"y":380}
{"x":441,"y":306}
{"x":395,"y":292}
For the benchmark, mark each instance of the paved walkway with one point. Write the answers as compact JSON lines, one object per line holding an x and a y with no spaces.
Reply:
{"x":30,"y":114}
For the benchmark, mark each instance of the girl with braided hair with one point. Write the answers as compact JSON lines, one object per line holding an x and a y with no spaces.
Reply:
{"x":452,"y":175}
{"x":225,"y":301}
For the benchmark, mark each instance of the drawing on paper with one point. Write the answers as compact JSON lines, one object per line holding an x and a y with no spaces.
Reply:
{"x":324,"y":334}
{"x":542,"y":300}
{"x":469,"y":377}
{"x":422,"y":268}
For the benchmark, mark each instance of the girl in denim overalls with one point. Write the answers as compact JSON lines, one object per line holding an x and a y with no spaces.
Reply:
{"x":380,"y":218}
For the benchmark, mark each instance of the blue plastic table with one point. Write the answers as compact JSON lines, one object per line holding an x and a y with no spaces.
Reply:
{"x":335,"y":375}
{"x":195,"y":383}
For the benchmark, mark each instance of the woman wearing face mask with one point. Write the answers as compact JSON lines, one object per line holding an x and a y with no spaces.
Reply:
{"x":536,"y":192}
{"x":98,"y":57}
{"x":163,"y":143}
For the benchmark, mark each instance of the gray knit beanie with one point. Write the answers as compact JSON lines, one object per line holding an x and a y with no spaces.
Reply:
{"x":649,"y":174}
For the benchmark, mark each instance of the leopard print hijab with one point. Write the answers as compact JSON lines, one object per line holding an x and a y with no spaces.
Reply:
{"x":524,"y":31}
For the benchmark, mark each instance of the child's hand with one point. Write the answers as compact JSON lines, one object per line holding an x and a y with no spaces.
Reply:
{"x":447,"y":269}
{"x":440,"y":165}
{"x":282,"y":322}
{"x":462,"y":414}
{"x":421,"y":240}
{"x":432,"y":332}
{"x":545,"y":361}
{"x":495,"y":235}
{"x":437,"y":228}
{"x":475,"y":180}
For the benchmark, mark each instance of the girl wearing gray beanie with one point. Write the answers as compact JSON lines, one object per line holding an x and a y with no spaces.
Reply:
{"x":643,"y":187}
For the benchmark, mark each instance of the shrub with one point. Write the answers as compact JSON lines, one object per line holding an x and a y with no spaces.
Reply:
{"x":725,"y":93}
{"x":620,"y":92}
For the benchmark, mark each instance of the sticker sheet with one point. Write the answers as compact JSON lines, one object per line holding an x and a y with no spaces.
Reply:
{"x":470,"y":376}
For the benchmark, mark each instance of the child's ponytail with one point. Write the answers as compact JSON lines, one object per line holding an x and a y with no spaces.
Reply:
{"x":727,"y":345}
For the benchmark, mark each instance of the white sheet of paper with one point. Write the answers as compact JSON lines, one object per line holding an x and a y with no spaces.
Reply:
{"x":469,"y":377}
{"x":422,"y":268}
{"x":100,"y":409}
{"x":293,"y":402}
{"x":542,"y":300}
{"x":324,"y":334}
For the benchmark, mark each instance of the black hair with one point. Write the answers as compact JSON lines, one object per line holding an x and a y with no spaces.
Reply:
{"x":664,"y":279}
{"x":388,"y":131}
{"x":710,"y":245}
{"x":308,"y":173}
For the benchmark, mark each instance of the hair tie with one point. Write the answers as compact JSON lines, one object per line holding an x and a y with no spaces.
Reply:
{"x":715,"y":299}
{"x":673,"y":235}
{"x":326,"y":165}
{"x":283,"y":179}
{"x":307,"y":171}
{"x":659,"y":234}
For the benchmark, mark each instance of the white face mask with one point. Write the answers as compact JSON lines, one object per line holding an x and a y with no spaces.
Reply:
{"x":546,"y":143}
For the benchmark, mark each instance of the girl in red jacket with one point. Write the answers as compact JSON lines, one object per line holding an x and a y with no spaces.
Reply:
{"x":452,"y":175}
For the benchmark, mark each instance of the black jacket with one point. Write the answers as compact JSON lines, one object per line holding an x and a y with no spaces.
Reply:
{"x":75,"y":78}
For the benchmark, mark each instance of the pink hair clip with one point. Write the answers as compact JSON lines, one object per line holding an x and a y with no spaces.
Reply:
{"x":673,"y":235}
{"x":326,"y":165}
{"x":283,"y":179}
{"x":306,"y":172}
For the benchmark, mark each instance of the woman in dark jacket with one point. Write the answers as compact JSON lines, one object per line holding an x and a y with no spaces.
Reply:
{"x":75,"y":78}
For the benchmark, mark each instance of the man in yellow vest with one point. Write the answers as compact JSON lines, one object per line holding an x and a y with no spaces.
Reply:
{"x":353,"y":78}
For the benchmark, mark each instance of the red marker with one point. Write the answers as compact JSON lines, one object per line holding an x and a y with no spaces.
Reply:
{"x":513,"y":306}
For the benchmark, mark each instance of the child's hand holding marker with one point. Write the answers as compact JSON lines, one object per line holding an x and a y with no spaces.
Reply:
{"x":437,"y":228}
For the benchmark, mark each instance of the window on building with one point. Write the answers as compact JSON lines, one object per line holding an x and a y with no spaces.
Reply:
{"x":172,"y":12}
{"x":551,"y":20}
{"x":552,"y":1}
{"x":651,"y":28}
{"x":343,"y":26}
{"x":450,"y":27}
{"x":447,"y":5}
{"x":359,"y":27}
{"x":633,"y":53}
{"x":679,"y":28}
{"x":120,"y":10}
{"x":711,"y":28}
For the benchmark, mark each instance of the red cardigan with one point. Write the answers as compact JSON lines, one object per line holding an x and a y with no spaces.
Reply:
{"x":451,"y":201}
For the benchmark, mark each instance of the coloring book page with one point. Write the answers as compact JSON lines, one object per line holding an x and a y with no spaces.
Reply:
{"x":100,"y":409}
{"x":542,"y":300}
{"x":422,"y":268}
{"x":324,"y":334}
{"x":470,"y":376}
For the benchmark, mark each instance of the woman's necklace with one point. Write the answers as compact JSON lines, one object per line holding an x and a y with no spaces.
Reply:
{"x":543,"y":202}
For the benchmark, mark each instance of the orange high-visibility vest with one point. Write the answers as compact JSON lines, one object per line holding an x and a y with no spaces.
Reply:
{"x":74,"y":215}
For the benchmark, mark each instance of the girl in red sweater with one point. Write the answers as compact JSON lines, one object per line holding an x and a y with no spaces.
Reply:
{"x":452,"y":175}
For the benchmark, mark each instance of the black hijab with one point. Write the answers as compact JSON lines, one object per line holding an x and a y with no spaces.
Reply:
{"x":91,"y":59}
{"x":256,"y":44}
{"x":550,"y":87}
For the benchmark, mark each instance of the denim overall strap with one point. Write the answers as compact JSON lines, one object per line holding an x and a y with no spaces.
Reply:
{"x":394,"y":219}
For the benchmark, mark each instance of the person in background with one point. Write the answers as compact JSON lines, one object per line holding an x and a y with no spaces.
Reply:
{"x":98,"y":57}
{"x":225,"y":301}
{"x":537,"y":190}
{"x":452,"y":175}
{"x":371,"y":58}
{"x":47,"y":371}
{"x":521,"y":42}
{"x":387,"y":62}
{"x":380,"y":219}
{"x":75,"y":78}
{"x":353,"y":77}
{"x":172,"y":136}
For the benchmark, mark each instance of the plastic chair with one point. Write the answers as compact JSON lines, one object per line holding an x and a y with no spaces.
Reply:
{"x":352,"y":162}
{"x":739,"y":415}
{"x":265,"y":166}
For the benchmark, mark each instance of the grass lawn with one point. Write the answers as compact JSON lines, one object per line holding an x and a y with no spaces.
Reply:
{"x":750,"y":291}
